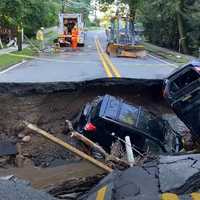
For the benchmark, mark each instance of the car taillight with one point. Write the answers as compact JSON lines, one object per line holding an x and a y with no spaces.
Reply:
{"x":90,"y":127}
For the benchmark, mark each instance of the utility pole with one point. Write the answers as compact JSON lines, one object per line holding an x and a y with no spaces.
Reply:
{"x":19,"y":37}
{"x":63,"y":6}
{"x":116,"y":2}
{"x":95,"y":10}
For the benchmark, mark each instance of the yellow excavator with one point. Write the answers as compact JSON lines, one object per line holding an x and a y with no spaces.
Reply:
{"x":124,"y":38}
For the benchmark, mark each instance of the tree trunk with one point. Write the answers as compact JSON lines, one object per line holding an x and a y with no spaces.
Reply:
{"x":19,"y":38}
{"x":181,"y":29}
{"x":132,"y":7}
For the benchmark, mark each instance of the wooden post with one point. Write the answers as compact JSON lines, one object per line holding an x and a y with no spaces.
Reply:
{"x":88,"y":142}
{"x":68,"y":147}
{"x":94,"y":145}
{"x":19,"y":37}
{"x":1,"y":45}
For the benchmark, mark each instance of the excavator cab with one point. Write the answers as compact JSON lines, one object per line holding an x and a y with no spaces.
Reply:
{"x":124,"y":40}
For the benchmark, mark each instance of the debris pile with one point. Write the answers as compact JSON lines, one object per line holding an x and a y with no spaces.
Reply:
{"x":74,"y":188}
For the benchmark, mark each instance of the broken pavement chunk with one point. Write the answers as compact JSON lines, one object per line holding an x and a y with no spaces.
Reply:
{"x":132,"y":184}
{"x":19,"y":189}
{"x":179,"y":174}
{"x":7,"y":148}
{"x":9,"y":177}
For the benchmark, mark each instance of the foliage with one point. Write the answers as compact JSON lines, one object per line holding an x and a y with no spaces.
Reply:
{"x":173,"y":24}
{"x":164,"y":28}
{"x":30,"y":14}
{"x":78,"y":6}
{"x":8,"y":60}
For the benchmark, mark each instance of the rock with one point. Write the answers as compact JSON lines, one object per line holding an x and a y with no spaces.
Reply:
{"x":26,"y":138}
{"x":132,"y":184}
{"x":27,"y":163}
{"x":21,"y":135}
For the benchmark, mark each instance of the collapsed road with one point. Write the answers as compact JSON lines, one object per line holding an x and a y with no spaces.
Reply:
{"x":49,"y":105}
{"x":37,"y":92}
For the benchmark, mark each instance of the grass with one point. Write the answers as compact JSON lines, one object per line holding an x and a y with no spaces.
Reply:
{"x":7,"y":60}
{"x":167,"y":54}
{"x":93,"y":28}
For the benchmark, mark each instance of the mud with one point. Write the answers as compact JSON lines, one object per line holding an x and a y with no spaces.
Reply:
{"x":49,"y":105}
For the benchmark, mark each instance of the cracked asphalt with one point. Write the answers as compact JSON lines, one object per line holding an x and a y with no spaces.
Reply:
{"x":84,"y":64}
{"x":177,"y":175}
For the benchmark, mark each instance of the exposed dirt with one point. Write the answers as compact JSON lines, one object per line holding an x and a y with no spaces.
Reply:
{"x":48,"y":106}
{"x":42,"y":178}
{"x":50,"y":110}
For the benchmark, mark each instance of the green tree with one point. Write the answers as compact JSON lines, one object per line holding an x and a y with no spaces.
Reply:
{"x":31,"y":14}
{"x":173,"y":24}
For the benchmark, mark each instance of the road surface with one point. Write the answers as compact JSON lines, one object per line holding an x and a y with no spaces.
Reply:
{"x":86,"y":64}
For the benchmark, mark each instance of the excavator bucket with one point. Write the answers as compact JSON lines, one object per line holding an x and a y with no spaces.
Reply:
{"x":131,"y":51}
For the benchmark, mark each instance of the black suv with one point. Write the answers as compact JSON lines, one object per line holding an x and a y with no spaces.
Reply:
{"x":182,"y":91}
{"x":107,"y":114}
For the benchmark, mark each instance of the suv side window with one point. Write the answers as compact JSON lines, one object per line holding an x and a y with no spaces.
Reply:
{"x":95,"y":110}
{"x":152,"y":125}
{"x":184,"y":80}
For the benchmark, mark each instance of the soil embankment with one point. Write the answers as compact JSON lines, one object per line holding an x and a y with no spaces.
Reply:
{"x":49,"y":105}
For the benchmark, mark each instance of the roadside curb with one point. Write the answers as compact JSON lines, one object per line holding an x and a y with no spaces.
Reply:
{"x":13,"y":67}
{"x":163,"y":61}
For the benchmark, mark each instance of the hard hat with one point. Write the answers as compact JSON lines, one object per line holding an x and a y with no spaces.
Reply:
{"x":42,"y":28}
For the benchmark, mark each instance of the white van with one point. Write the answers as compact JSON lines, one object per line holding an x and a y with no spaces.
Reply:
{"x":66,"y":24}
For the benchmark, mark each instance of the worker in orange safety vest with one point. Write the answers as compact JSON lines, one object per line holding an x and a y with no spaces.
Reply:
{"x":74,"y":39}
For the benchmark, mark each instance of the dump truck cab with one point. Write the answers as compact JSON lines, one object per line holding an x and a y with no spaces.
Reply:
{"x":66,"y":24}
{"x":182,"y":92}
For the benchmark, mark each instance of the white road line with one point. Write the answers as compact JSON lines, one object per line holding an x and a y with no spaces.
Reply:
{"x":163,"y":61}
{"x":53,"y":60}
{"x":13,"y":67}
